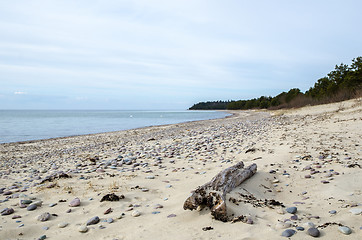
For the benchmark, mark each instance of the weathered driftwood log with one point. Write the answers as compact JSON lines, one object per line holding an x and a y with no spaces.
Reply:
{"x":213,"y":194}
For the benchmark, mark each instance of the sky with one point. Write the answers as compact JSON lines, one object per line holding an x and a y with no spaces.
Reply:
{"x":168,"y":55}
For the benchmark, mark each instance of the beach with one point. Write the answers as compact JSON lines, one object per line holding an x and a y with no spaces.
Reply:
{"x":308,"y":159}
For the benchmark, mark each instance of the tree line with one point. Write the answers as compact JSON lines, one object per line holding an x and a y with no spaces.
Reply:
{"x":343,"y":83}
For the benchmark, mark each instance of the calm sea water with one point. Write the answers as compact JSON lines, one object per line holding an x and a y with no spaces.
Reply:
{"x":23,"y":125}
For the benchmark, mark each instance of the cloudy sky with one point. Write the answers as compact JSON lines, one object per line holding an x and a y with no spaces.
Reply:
{"x":153,"y":54}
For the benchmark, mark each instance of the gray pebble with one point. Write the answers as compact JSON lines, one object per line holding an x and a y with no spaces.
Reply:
{"x":345,"y":230}
{"x":299,"y":228}
{"x":333,"y":212}
{"x":7,"y":211}
{"x":93,"y":220}
{"x":314,"y":232}
{"x":44,"y":217}
{"x":291,"y":210}
{"x":32,"y":207}
{"x":288,"y":233}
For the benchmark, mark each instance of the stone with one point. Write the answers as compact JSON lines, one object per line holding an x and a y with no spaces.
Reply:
{"x":38,"y":203}
{"x":44,"y":217}
{"x":309,"y":225}
{"x":345,"y":230}
{"x":136,"y":214}
{"x":93,"y":220}
{"x":356,"y":211}
{"x":7,"y":211}
{"x":299,"y":228}
{"x":291,"y":210}
{"x":42,"y":237}
{"x":83,"y":229}
{"x":288,"y":233}
{"x":110,"y":220}
{"x":75,"y":202}
{"x":333,"y":212}
{"x":314,"y":232}
{"x":32,"y":207}
{"x":62,"y":225}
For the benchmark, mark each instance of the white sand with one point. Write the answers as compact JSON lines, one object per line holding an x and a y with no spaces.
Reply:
{"x":192,"y":153}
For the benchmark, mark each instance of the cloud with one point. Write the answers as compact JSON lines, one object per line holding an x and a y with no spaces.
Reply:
{"x":20,"y":93}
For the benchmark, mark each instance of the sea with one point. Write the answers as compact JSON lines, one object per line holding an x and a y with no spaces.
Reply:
{"x":26,"y":125}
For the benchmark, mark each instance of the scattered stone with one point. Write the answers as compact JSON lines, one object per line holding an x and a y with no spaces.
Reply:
{"x":52,"y":204}
{"x":75,"y":202}
{"x":299,"y":228}
{"x":42,"y":237}
{"x":83,"y":229}
{"x":288,"y":233}
{"x":314,"y":232}
{"x":356,"y":211}
{"x":7,"y":211}
{"x":136,"y":214}
{"x":291,"y":210}
{"x":32,"y":207}
{"x":93,"y":220}
{"x":283,"y":225}
{"x":309,"y":225}
{"x":110,"y":220}
{"x":62,"y":224}
{"x":109,"y":210}
{"x":44,"y":217}
{"x":16,"y":217}
{"x":171,"y":215}
{"x":345,"y":230}
{"x":150,"y":177}
{"x":333,"y":212}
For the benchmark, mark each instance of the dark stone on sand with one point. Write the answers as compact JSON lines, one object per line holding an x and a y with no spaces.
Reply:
{"x":291,"y":210}
{"x":7,"y":211}
{"x":111,"y":197}
{"x":32,"y":207}
{"x":93,"y":220}
{"x":288,"y":233}
{"x":299,"y":228}
{"x":314,"y":232}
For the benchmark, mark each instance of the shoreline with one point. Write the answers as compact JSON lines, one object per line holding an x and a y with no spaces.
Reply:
{"x":89,"y":134}
{"x":307,"y":158}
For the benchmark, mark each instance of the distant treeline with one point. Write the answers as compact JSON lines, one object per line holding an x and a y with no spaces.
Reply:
{"x":344,"y":82}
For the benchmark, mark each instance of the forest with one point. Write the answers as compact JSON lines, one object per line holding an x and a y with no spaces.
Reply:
{"x":343,"y":83}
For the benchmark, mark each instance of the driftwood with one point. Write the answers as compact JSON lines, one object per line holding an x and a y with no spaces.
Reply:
{"x":213,"y":194}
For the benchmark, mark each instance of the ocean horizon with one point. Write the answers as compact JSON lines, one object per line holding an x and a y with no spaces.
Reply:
{"x":27,"y":125}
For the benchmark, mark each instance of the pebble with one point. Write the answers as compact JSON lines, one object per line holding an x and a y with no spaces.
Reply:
{"x":110,"y":220}
{"x":156,"y":212}
{"x":75,"y":202}
{"x":93,"y":220}
{"x":171,"y":215}
{"x":288,"y":233}
{"x":291,"y":210}
{"x":44,"y":217}
{"x":345,"y":230}
{"x":356,"y":211}
{"x":314,"y":232}
{"x":83,"y":229}
{"x":283,"y":225}
{"x":38,"y":203}
{"x":62,"y":225}
{"x":136,"y":214}
{"x":16,"y":216}
{"x":294,"y":217}
{"x":42,"y":237}
{"x":309,"y":225}
{"x":150,"y":177}
{"x":7,"y":211}
{"x":333,"y":212}
{"x":299,"y":228}
{"x":52,"y":204}
{"x":32,"y":207}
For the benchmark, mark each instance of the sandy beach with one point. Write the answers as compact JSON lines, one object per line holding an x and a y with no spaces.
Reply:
{"x":308,"y":159}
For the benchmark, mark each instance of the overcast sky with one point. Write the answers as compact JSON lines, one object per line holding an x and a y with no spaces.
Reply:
{"x":145,"y":54}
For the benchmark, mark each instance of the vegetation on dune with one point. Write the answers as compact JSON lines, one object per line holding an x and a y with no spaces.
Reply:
{"x":343,"y":83}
